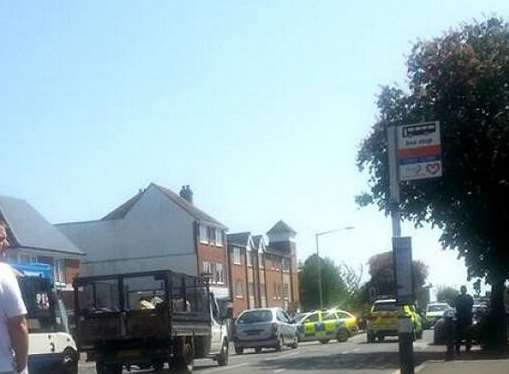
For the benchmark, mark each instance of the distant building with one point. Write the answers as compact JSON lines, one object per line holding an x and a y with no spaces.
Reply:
{"x":156,"y":229}
{"x":264,"y":274}
{"x":33,"y":239}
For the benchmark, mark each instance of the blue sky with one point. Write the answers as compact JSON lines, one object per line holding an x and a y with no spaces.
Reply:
{"x":259,"y":105}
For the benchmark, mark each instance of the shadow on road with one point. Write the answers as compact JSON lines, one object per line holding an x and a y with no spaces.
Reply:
{"x":360,"y":360}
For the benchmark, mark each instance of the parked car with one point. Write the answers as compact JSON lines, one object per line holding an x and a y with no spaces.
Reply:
{"x":434,"y":312}
{"x":324,"y":326}
{"x":349,"y":319}
{"x":264,"y":328}
{"x":383,"y":320}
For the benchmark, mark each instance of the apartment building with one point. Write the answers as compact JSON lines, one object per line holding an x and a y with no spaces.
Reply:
{"x":263,"y":273}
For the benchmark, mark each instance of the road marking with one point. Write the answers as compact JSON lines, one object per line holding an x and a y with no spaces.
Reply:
{"x":279,"y":370}
{"x":346,"y":352}
{"x":215,"y":370}
{"x":356,"y":350}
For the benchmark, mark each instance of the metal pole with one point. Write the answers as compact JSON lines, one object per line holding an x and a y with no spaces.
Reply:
{"x":406,"y":348}
{"x":319,"y":272}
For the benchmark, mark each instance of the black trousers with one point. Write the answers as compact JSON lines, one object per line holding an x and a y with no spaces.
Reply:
{"x":463,"y":334}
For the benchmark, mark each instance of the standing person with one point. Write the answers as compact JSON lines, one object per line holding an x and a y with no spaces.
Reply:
{"x":13,"y":326}
{"x":464,"y":303}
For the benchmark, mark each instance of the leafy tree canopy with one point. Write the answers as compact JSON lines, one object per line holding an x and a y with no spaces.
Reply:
{"x":447,"y":295}
{"x":461,"y":79}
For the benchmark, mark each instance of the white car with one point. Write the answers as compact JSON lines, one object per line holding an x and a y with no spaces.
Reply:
{"x":435,"y":311}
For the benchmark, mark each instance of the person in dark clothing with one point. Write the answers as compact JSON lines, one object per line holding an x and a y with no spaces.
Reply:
{"x":464,"y":303}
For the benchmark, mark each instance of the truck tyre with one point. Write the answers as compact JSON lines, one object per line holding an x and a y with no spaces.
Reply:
{"x":342,"y":335}
{"x":222,"y":358}
{"x":70,"y":361}
{"x":102,"y":368}
{"x":239,"y":350}
{"x":183,"y":361}
{"x":295,"y":345}
{"x":279,"y":345}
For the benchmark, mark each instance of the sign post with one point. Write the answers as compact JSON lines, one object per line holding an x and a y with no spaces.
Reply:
{"x":414,"y":153}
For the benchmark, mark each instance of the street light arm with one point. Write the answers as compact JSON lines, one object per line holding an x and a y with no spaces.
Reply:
{"x":334,"y":230}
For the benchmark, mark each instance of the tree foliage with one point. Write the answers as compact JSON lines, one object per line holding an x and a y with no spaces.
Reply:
{"x":461,"y":79}
{"x":382,"y":274}
{"x":447,"y":295}
{"x":333,"y":287}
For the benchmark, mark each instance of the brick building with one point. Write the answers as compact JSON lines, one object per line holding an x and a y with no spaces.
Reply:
{"x":156,"y":229}
{"x":263,"y":274}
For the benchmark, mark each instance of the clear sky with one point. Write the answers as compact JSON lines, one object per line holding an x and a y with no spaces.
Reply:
{"x":259,"y":105}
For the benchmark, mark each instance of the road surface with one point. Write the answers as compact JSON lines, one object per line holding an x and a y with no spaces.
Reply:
{"x":354,"y":356}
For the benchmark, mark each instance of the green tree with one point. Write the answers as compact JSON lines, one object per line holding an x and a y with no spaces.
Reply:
{"x":382,"y":274}
{"x":461,"y":79}
{"x":447,"y":295}
{"x":333,"y":287}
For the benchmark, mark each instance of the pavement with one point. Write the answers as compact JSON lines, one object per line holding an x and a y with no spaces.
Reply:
{"x":353,"y":356}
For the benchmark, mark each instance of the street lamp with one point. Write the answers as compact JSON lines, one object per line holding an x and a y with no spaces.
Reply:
{"x":317,"y":235}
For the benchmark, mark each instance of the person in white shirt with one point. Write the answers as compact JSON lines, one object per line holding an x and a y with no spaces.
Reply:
{"x":13,"y":325}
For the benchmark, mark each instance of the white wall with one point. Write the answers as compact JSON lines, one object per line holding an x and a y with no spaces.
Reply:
{"x":156,"y":234}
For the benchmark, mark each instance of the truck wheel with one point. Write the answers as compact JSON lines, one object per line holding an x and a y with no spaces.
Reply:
{"x":279,"y":345}
{"x":342,"y":335}
{"x":184,"y":360}
{"x":222,"y":358}
{"x":102,"y":368}
{"x":239,"y":350}
{"x":70,"y":361}
{"x":295,"y":345}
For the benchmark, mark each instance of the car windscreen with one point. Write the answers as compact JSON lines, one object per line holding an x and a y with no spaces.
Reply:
{"x":438,"y":308}
{"x":384,"y":307}
{"x":255,"y":316}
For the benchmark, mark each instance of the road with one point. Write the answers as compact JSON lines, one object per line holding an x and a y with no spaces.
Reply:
{"x":354,"y":356}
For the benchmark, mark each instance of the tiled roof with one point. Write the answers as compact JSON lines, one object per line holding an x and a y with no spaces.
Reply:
{"x":31,"y":230}
{"x":281,"y":227}
{"x":240,"y":238}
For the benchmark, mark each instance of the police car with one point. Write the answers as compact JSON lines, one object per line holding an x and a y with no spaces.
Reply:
{"x":323,"y":326}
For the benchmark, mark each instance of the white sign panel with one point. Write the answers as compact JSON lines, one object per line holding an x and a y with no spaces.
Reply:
{"x":419,"y":151}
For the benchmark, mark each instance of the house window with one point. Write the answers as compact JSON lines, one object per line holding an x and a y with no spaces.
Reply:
{"x":286,"y":292}
{"x":219,"y":237}
{"x":286,"y":265}
{"x":207,"y":267}
{"x":249,"y":258}
{"x":59,"y":271}
{"x":26,"y":258}
{"x":236,"y":256}
{"x":239,"y":289}
{"x":212,"y":235}
{"x":260,"y":261}
{"x":203,"y":234}
{"x":219,"y":273}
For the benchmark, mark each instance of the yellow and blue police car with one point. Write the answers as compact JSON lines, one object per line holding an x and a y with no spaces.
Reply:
{"x":323,"y":326}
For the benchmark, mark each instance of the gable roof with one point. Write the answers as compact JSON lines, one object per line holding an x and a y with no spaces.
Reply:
{"x":30,"y":229}
{"x":239,"y":238}
{"x":281,"y":227}
{"x":196,"y":213}
{"x":256,"y":240}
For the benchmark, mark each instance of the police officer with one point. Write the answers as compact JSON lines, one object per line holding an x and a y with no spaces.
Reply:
{"x":464,"y":303}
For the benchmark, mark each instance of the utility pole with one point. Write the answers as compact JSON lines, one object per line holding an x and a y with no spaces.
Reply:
{"x":320,"y":291}
{"x":406,"y":347}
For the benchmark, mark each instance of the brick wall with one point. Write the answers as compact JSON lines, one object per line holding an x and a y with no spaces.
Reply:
{"x":215,"y":254}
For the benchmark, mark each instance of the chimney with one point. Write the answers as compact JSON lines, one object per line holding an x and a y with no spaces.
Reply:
{"x":186,"y":193}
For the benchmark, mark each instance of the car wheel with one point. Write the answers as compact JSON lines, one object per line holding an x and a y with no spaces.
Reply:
{"x":342,"y":335}
{"x":222,"y":358}
{"x":295,"y":344}
{"x":70,"y":361}
{"x":239,"y":350}
{"x":381,"y":338}
{"x":279,"y":345}
{"x":324,"y":341}
{"x":258,"y":350}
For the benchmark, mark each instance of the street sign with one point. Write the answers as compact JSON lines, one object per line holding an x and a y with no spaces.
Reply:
{"x":419,"y":151}
{"x":403,"y":270}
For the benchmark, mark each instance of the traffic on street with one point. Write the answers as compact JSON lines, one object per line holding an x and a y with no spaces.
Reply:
{"x":353,"y":356}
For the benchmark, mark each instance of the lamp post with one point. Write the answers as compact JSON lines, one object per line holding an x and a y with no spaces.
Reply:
{"x":317,"y":235}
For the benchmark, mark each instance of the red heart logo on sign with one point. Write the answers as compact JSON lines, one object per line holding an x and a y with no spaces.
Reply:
{"x":433,"y":168}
